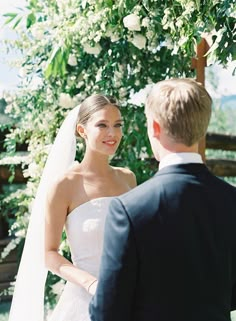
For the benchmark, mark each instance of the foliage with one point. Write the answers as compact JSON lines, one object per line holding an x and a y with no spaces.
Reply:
{"x":4,"y":308}
{"x":222,"y":119}
{"x":71,"y":49}
{"x":221,"y":122}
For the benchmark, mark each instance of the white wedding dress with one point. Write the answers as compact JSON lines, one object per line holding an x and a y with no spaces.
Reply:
{"x":85,"y":230}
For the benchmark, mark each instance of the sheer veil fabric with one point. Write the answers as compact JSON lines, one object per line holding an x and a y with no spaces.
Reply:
{"x":28,"y":298}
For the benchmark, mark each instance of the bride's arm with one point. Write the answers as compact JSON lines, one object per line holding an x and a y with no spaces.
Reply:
{"x":56,"y":212}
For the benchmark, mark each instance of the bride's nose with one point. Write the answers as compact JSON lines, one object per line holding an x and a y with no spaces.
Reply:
{"x":111,"y":131}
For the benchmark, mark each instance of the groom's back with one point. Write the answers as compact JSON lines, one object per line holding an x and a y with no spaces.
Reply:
{"x":184,"y":223}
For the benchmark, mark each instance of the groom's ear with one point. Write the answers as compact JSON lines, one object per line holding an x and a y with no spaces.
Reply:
{"x":156,"y":129}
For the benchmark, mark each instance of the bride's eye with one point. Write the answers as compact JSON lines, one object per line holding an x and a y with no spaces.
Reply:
{"x":118,"y":125}
{"x":101,"y":125}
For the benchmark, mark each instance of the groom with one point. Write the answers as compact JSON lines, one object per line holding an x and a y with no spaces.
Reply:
{"x":170,"y":244}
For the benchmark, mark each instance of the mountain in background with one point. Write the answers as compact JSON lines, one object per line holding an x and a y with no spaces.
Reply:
{"x":228,"y":101}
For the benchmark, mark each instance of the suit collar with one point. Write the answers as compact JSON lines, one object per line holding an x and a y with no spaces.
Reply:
{"x":183,"y":169}
{"x":180,"y":158}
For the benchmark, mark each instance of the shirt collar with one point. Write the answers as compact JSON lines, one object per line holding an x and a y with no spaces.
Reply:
{"x":180,"y":158}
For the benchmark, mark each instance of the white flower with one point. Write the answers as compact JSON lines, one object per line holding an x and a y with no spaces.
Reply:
{"x":122,"y":92}
{"x":81,"y":96}
{"x":9,"y":108}
{"x":33,"y":170}
{"x":14,"y":160}
{"x":132,"y":22}
{"x":175,"y":49}
{"x":182,"y":40}
{"x":139,"y":41}
{"x":72,"y":61}
{"x":115,"y":37}
{"x":80,"y":84}
{"x":65,"y":101}
{"x":97,"y":38}
{"x":23,"y":72}
{"x":112,"y":35}
{"x":92,"y":50}
{"x":62,"y":3}
{"x":37,"y":32}
{"x":58,"y":287}
{"x":168,"y":43}
{"x":146,"y":22}
{"x":189,"y":7}
{"x":232,"y":13}
{"x":149,"y":34}
{"x":179,"y":23}
{"x":20,"y":233}
{"x":99,"y":75}
{"x":36,"y":83}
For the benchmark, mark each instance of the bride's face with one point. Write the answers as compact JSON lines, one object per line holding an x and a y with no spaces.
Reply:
{"x":103,"y":131}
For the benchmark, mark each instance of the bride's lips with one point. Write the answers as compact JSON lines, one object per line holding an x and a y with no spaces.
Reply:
{"x":110,"y":142}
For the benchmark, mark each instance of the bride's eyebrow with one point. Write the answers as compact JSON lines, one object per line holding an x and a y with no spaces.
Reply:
{"x":107,"y":121}
{"x":102,"y":121}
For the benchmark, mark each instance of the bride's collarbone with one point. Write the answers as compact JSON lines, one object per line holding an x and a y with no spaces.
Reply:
{"x":95,"y":190}
{"x":103,"y":188}
{"x":96,"y":186}
{"x":105,"y":184}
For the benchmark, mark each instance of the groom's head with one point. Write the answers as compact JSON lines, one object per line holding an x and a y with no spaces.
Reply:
{"x":182,"y":110}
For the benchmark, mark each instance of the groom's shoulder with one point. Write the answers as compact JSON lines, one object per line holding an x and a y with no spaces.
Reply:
{"x":143,"y":193}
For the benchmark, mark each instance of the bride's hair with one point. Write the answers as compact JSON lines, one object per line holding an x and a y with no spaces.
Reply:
{"x":91,"y":105}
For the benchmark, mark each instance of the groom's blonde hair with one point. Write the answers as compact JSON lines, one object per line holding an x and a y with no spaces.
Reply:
{"x":182,"y":107}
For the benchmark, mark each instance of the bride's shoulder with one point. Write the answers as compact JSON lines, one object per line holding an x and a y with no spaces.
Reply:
{"x":66,"y":186}
{"x":69,"y":177}
{"x":127,"y":175}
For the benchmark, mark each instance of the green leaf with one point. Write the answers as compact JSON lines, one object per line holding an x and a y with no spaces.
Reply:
{"x":33,"y":3}
{"x":109,"y":3}
{"x":30,"y":20}
{"x":130,"y":4}
{"x":17,"y":22}
{"x":48,"y":71}
{"x":57,"y":62}
{"x":11,"y":16}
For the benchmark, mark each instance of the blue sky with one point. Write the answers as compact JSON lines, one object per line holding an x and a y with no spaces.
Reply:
{"x":9,"y":77}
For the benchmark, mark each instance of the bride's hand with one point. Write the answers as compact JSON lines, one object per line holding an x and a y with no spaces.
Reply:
{"x":92,"y":287}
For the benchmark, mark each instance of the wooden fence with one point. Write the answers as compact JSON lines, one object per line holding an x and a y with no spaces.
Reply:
{"x":220,"y":167}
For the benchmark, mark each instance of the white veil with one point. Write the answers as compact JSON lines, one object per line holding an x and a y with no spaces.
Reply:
{"x":28,"y":298}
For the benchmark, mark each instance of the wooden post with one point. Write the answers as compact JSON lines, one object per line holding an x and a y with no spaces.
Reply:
{"x":199,"y":63}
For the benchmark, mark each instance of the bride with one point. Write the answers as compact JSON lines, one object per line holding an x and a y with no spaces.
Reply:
{"x":77,"y":200}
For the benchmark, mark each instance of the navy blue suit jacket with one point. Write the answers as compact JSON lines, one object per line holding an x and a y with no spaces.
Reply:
{"x":170,"y":250}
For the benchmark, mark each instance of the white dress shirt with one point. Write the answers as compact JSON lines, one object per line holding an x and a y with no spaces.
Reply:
{"x":180,"y":158}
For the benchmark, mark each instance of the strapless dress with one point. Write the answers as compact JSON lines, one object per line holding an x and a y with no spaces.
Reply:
{"x":85,"y":230}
